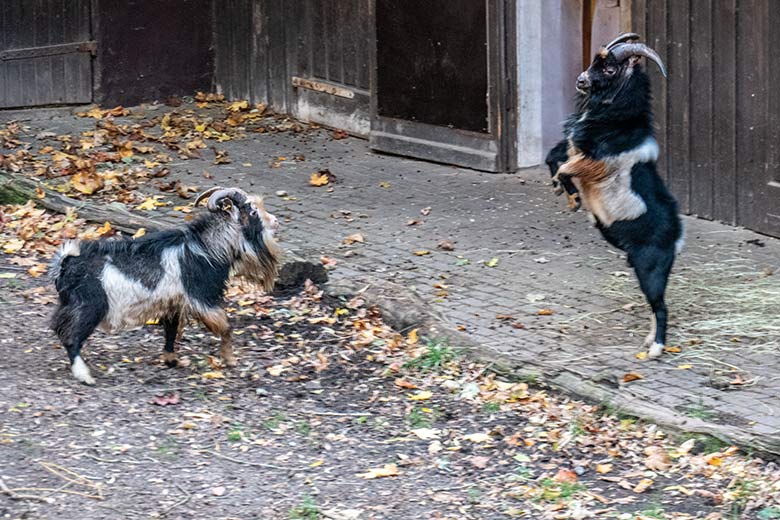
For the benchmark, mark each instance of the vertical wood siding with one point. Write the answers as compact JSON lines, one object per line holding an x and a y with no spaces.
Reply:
{"x":718,"y":114}
{"x":44,"y":80}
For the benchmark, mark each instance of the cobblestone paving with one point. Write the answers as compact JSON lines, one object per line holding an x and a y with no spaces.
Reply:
{"x":548,"y":258}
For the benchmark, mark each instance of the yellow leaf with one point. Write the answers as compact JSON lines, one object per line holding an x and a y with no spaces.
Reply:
{"x":412,"y":338}
{"x":545,"y":312}
{"x":238,"y":106}
{"x":603,"y":468}
{"x":39,"y":193}
{"x":105,"y":228}
{"x":141,"y":232}
{"x":673,"y":349}
{"x":200,"y":127}
{"x":384,"y":185}
{"x":37,"y":270}
{"x":643,"y":485}
{"x":147,"y":205}
{"x":641,"y":355}
{"x":388,"y":470}
{"x":87,"y":182}
{"x":684,"y":367}
{"x":183,"y":209}
{"x":13,"y":245}
{"x":477,"y":437}
{"x":422,"y":395}
{"x":422,"y":252}
{"x":492,"y":262}
{"x":714,"y":460}
{"x":318,"y":179}
{"x":341,"y":312}
{"x":213,"y":375}
{"x":317,"y":463}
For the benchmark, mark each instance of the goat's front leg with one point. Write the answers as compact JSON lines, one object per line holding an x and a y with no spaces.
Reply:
{"x":216,"y":321}
{"x":171,"y":325}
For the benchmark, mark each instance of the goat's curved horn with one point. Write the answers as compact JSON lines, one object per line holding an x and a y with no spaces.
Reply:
{"x":218,"y":193}
{"x":622,"y":38}
{"x":626,"y":50}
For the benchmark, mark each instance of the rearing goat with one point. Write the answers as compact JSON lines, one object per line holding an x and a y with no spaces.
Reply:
{"x":611,"y":155}
{"x":170,"y":275}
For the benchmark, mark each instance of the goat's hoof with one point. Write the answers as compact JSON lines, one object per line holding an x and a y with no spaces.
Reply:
{"x":655,"y":350}
{"x":170,"y":359}
{"x":80,"y":371}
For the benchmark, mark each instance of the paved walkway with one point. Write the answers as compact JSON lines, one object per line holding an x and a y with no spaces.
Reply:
{"x":543,"y":258}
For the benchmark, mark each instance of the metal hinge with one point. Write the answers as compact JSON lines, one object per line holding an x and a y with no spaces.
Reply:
{"x":49,"y":50}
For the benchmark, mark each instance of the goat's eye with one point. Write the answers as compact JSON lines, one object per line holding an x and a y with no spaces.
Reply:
{"x":609,"y":71}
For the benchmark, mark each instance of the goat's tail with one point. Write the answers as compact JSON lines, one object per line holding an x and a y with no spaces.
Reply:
{"x":69,"y":248}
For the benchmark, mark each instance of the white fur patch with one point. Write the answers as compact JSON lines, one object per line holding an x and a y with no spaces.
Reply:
{"x":680,"y":243}
{"x":70,"y":248}
{"x":656,"y":349}
{"x":651,"y":335}
{"x":130,"y":303}
{"x":617,"y":201}
{"x":81,"y":372}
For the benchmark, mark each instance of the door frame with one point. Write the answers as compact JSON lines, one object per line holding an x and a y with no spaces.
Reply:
{"x":495,"y":151}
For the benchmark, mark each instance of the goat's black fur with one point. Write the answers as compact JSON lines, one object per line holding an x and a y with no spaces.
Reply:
{"x":609,"y":138}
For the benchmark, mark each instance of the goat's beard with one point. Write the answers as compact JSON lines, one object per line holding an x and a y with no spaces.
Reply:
{"x":259,"y":265}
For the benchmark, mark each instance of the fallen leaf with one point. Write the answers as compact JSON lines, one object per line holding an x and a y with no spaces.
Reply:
{"x":37,"y":270}
{"x":446,"y":245}
{"x":87,"y":182}
{"x":545,"y":312}
{"x":657,"y":458}
{"x":213,"y":375}
{"x":218,"y":491}
{"x":384,"y":185}
{"x":339,"y":134}
{"x":412,"y":337}
{"x":355,"y":237}
{"x":476,"y":437}
{"x":603,"y":468}
{"x":641,"y":355}
{"x":673,"y":349}
{"x":643,"y":485}
{"x":422,"y":395}
{"x":631,"y":376}
{"x":427,"y":434}
{"x":322,"y":178}
{"x":479,"y":462}
{"x":388,"y":470}
{"x":403,"y":383}
{"x":422,"y":252}
{"x":141,"y":232}
{"x":425,"y":211}
{"x":684,"y":367}
{"x":565,"y":475}
{"x":492,"y":262}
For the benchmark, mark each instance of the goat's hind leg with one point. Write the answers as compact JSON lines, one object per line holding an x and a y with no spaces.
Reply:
{"x":216,"y":321}
{"x":652,"y":266}
{"x":171,"y":323}
{"x":74,"y":323}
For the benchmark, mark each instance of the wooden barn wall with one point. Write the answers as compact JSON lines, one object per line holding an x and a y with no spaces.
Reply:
{"x":717,"y":114}
{"x":151,"y":49}
{"x":261,"y":44}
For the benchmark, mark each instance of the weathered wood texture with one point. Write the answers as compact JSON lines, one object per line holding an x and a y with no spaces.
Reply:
{"x":50,"y":76}
{"x":718,"y":113}
{"x":260,"y":45}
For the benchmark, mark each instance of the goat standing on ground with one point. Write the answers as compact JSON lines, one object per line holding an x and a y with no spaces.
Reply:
{"x":169,"y":275}
{"x":611,"y":155}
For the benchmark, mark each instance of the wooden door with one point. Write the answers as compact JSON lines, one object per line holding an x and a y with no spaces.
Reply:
{"x":718,"y":114}
{"x":443,"y":86}
{"x":45,"y":52}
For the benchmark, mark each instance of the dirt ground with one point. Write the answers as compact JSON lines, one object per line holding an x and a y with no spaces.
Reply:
{"x":324,"y":395}
{"x":330,"y":413}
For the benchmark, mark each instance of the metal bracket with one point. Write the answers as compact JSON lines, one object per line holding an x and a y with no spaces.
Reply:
{"x":49,"y":50}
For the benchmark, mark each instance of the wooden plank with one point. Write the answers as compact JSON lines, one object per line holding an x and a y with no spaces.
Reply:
{"x":752,"y":106}
{"x":638,"y":13}
{"x":333,"y":39}
{"x":701,"y":81}
{"x":657,"y":39}
{"x":319,"y":68}
{"x":769,"y":206}
{"x":278,"y":78}
{"x":350,"y":23}
{"x":679,"y":102}
{"x":724,"y":111}
{"x":259,"y":62}
{"x":366,"y":43}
